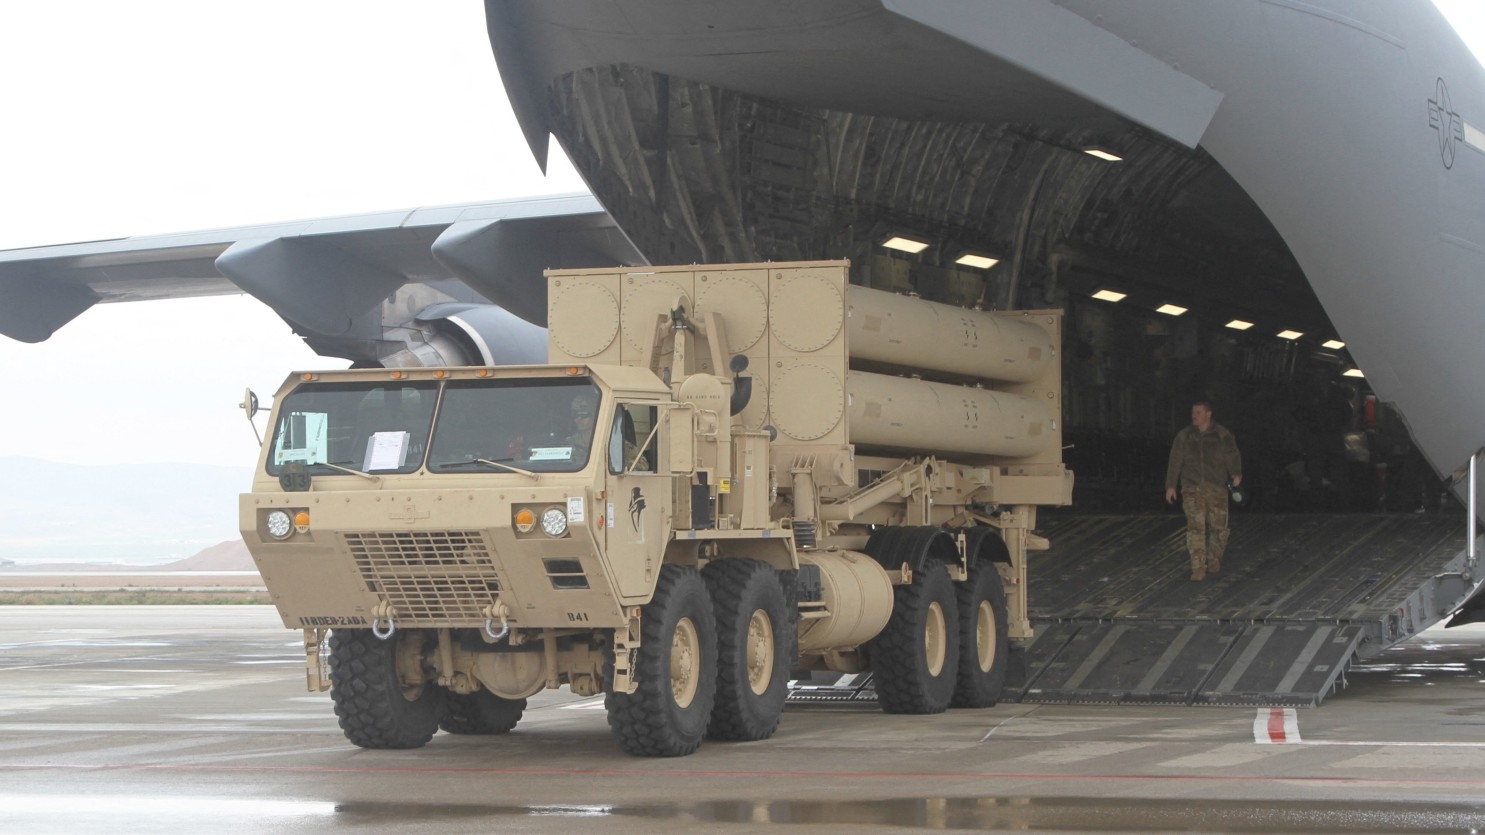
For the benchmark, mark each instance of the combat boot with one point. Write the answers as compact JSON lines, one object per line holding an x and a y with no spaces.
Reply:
{"x":1214,"y":566}
{"x":1198,"y":569}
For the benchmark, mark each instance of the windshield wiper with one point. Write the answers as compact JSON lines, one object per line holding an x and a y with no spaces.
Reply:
{"x":347,"y":470}
{"x":505,"y":466}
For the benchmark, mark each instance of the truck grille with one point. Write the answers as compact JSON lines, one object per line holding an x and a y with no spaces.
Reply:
{"x":429,"y":577}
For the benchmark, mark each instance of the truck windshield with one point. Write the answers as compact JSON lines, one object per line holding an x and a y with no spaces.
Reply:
{"x":372,"y":427}
{"x":538,"y":425}
{"x":532,"y":425}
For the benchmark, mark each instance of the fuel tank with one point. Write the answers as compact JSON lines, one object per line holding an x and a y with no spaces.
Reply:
{"x":858,"y":598}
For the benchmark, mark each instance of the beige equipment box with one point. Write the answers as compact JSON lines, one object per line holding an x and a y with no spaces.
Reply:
{"x":725,"y":474}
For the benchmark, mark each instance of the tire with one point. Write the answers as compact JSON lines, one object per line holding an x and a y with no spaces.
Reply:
{"x":676,"y":671}
{"x":916,"y":658}
{"x":752,"y":645}
{"x":375,"y":709}
{"x":984,"y":638}
{"x":480,"y":713}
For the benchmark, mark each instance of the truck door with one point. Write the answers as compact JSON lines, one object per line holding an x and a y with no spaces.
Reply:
{"x":638,"y":503}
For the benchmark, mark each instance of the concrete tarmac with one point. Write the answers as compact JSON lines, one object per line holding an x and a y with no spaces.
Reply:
{"x":190,"y":719}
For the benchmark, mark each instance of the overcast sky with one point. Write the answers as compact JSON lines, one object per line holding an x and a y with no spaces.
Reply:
{"x":161,"y":116}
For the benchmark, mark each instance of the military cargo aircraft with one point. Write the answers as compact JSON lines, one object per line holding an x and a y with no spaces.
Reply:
{"x":1272,"y":204}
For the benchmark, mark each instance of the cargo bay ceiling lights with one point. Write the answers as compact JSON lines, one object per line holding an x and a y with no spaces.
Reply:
{"x":978,"y":260}
{"x":1352,"y":372}
{"x":1290,"y":335}
{"x":1170,"y":309}
{"x":906,"y":243}
{"x":1103,"y":155}
{"x":1333,"y":344}
{"x":1239,"y":325}
{"x":1110,"y":296}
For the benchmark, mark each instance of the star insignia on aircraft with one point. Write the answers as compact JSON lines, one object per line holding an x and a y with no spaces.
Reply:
{"x":1443,"y":118}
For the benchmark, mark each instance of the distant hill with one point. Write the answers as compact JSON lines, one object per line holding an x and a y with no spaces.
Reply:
{"x":224,"y":556}
{"x":132,"y":514}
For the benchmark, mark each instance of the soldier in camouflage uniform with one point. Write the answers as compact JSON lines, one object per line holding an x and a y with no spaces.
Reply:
{"x":1203,"y":460}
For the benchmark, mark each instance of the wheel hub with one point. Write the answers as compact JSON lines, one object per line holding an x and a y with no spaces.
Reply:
{"x":685,"y":662}
{"x":759,"y":652}
{"x":985,"y":636}
{"x":935,"y":639}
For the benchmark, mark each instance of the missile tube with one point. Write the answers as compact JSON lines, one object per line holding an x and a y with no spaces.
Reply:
{"x":913,"y":333}
{"x":901,"y":413}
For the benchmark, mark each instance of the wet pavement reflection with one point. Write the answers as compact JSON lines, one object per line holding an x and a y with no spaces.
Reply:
{"x":200,"y":724}
{"x":1026,"y":814}
{"x":1422,"y":659}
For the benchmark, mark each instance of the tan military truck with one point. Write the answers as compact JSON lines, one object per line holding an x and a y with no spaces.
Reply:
{"x":725,"y":475}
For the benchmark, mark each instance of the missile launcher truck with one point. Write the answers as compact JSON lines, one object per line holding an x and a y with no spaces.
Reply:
{"x":726,"y":476}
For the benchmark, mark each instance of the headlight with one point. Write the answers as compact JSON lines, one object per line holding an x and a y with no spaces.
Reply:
{"x":279,"y":524}
{"x":554,"y":521}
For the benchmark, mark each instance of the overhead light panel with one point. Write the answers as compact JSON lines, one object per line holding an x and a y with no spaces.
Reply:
{"x":1170,"y":309}
{"x":1333,"y":344}
{"x":903,"y":243}
{"x":1290,"y":335}
{"x":1103,"y":155}
{"x":1239,"y":325}
{"x":976,"y":260}
{"x":1110,"y":296}
{"x":1353,"y":372}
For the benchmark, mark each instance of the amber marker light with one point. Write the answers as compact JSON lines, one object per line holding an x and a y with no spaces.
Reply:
{"x":301,"y":521}
{"x":440,"y":374}
{"x":397,"y":375}
{"x":574,"y":371}
{"x":525,"y":520}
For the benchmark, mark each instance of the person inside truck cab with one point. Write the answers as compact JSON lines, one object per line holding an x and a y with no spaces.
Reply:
{"x":584,"y":409}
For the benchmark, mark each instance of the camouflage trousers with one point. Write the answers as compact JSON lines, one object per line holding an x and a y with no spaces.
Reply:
{"x":1206,"y":523}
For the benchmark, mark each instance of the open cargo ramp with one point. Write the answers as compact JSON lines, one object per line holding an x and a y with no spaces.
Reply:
{"x":1299,"y":598}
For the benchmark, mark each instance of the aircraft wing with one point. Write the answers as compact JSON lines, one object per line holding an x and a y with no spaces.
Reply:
{"x":339,"y":281}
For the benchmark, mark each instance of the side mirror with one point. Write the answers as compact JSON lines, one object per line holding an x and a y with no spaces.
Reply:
{"x":249,"y":406}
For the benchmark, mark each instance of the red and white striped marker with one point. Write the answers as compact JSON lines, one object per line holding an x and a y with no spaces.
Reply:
{"x":1276,"y":726}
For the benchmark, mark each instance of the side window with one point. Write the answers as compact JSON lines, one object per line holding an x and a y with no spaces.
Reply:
{"x":632,"y":439}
